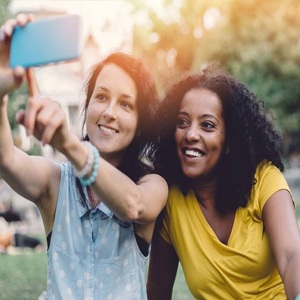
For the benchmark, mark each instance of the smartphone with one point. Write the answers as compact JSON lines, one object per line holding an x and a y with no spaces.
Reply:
{"x":46,"y":41}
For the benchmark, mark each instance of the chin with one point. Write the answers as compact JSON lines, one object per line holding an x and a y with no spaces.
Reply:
{"x":190,"y":174}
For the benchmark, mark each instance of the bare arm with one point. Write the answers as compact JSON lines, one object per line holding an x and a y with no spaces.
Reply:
{"x":283,"y":232}
{"x":141,"y":202}
{"x":28,"y":176}
{"x":34,"y":178}
{"x":162,"y":269}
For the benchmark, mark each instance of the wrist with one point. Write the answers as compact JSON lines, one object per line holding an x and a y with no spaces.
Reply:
{"x":82,"y":170}
{"x":3,"y":99}
{"x":87,"y":173}
{"x":70,"y":147}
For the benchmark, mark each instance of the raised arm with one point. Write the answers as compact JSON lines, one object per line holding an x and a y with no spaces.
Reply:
{"x":283,"y":232}
{"x":141,"y":202}
{"x":28,"y":176}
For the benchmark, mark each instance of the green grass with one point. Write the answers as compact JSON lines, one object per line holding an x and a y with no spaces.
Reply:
{"x":23,"y":276}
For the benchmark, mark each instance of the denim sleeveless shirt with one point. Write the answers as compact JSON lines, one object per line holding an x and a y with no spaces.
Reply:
{"x":93,"y":254}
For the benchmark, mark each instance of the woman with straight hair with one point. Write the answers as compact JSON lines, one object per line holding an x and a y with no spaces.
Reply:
{"x":99,"y":207}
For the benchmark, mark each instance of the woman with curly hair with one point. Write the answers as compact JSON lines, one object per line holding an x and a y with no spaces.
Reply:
{"x":230,"y":218}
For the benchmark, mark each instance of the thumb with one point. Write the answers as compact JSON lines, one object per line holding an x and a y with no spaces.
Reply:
{"x":20,"y":117}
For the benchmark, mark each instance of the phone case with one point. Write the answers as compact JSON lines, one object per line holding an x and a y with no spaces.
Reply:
{"x":46,"y":41}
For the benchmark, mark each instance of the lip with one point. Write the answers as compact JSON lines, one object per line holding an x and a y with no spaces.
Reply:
{"x":107,"y":129}
{"x":192,"y":152}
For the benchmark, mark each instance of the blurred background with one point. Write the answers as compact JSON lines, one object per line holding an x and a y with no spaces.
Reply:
{"x":257,"y":41}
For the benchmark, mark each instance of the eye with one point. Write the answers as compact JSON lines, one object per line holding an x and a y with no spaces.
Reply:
{"x":208,"y":125}
{"x":102,"y":97}
{"x":126,"y":104}
{"x":182,"y":122}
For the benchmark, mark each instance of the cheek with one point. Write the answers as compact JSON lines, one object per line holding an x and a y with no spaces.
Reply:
{"x":220,"y":146}
{"x":132,"y":121}
{"x":89,"y":112}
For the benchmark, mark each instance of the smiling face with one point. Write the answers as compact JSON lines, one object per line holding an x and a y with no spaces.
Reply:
{"x":112,"y":116}
{"x":200,"y":133}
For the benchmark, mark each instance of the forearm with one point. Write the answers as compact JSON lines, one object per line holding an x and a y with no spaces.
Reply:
{"x":110,"y":183}
{"x":118,"y":192}
{"x":157,"y":291}
{"x":27,"y":175}
{"x":6,"y":141}
{"x":291,"y":277}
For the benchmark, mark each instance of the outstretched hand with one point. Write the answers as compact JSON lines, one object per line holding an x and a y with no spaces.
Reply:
{"x":46,"y":120}
{"x":10,"y":78}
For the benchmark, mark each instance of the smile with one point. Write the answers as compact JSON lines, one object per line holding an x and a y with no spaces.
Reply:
{"x":107,"y":129}
{"x":194,"y":153}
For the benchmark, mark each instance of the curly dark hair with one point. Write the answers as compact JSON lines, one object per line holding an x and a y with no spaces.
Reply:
{"x":250,"y":136}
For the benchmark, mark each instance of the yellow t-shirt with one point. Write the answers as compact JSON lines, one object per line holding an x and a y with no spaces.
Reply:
{"x":242,"y":269}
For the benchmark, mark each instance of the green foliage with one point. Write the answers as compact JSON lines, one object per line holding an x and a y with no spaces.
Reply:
{"x":257,"y":41}
{"x":4,"y":13}
{"x":261,"y":48}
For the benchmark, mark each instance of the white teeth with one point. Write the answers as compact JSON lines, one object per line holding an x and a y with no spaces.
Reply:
{"x":193,"y":153}
{"x":110,"y":130}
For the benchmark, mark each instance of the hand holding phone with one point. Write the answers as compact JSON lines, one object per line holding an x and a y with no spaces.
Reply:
{"x":45,"y":41}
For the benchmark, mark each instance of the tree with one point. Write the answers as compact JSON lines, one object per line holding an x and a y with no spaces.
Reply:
{"x":257,"y":41}
{"x":4,"y":13}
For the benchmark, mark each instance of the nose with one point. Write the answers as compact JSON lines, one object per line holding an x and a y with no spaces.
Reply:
{"x":110,"y":111}
{"x":193,"y":134}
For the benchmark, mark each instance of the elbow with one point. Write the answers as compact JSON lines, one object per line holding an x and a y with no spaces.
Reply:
{"x":133,"y":209}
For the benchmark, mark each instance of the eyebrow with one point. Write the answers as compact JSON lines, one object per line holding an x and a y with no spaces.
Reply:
{"x":97,"y":88}
{"x":202,"y":116}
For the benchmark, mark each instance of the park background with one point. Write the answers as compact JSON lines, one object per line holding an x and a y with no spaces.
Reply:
{"x":257,"y":41}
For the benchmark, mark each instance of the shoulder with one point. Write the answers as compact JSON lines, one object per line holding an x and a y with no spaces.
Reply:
{"x":269,"y":180}
{"x":155,"y":180}
{"x":266,"y":170}
{"x":176,"y":196}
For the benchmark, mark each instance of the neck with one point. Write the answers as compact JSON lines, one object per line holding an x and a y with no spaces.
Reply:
{"x":205,"y":191}
{"x":114,"y":160}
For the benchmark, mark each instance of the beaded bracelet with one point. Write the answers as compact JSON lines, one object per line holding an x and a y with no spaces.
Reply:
{"x":91,"y":179}
{"x":87,"y":168}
